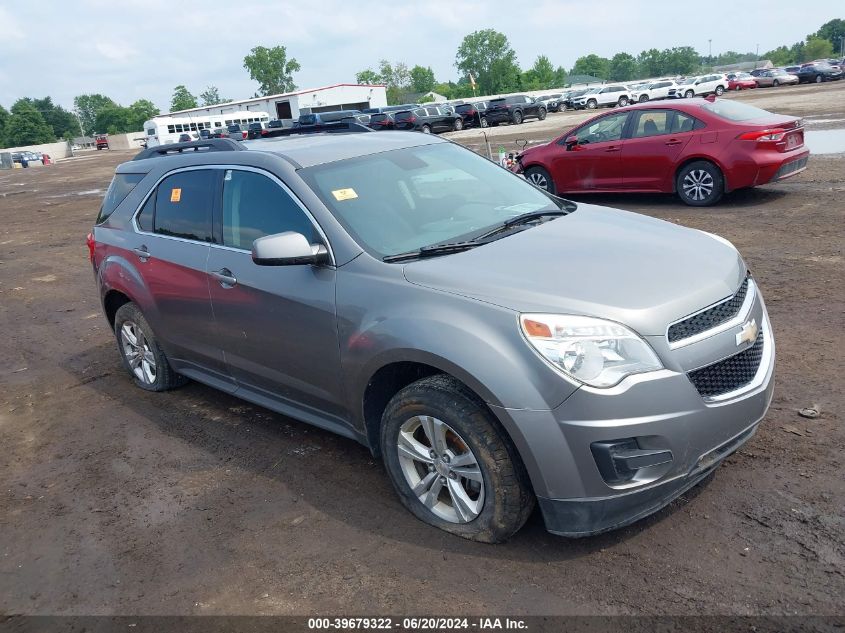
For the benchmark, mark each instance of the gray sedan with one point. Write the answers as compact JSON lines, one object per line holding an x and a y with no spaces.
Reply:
{"x":774,"y":78}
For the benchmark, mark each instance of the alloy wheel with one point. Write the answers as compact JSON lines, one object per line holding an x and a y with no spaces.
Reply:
{"x":698,"y":185}
{"x":136,"y":350}
{"x":538,"y":179}
{"x":440,"y":469}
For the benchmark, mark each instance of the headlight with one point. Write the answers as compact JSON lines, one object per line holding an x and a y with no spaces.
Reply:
{"x":593,"y":351}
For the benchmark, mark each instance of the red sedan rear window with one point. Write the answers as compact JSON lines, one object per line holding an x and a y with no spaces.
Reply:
{"x":735,"y":111}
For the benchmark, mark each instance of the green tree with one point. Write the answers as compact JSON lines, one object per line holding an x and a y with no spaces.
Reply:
{"x":26,"y":126}
{"x":559,"y":78}
{"x":182,"y":99}
{"x":368,"y":77}
{"x":114,"y":120}
{"x":4,"y":116}
{"x":63,"y":123}
{"x":211,"y":96}
{"x":422,"y":79}
{"x":780,"y":56}
{"x":817,"y":48}
{"x":796,"y":51}
{"x":87,"y":107}
{"x":592,"y":65}
{"x":139,"y":112}
{"x":488,"y":57}
{"x":397,"y":78}
{"x":652,"y":63}
{"x":541,"y":75}
{"x":272,"y":69}
{"x":833,"y":32}
{"x":683,"y":60}
{"x":622,"y":67}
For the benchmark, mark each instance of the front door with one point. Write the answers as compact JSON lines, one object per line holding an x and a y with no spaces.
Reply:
{"x":594,"y":163}
{"x":275,"y":324}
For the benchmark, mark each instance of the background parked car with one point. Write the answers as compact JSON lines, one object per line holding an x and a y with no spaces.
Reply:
{"x":774,"y":78}
{"x":473,"y":113}
{"x":740,"y":81}
{"x":792,"y":70}
{"x":657,"y":147}
{"x":604,"y":96}
{"x":381,"y":121}
{"x":514,"y":110}
{"x":427,"y":120}
{"x":101,"y":141}
{"x":700,"y":86}
{"x":548,"y":100}
{"x":652,"y":91}
{"x":566,"y":101}
{"x":817,"y":72}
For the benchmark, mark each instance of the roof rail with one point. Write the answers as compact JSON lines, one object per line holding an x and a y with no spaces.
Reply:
{"x":344,"y":126}
{"x":208,"y":145}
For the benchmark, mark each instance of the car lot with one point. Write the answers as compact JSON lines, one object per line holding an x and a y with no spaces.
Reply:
{"x":195,"y":502}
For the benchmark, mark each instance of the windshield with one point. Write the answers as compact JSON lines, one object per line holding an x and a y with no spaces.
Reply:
{"x":690,"y":80}
{"x":735,"y":111}
{"x":402,"y":200}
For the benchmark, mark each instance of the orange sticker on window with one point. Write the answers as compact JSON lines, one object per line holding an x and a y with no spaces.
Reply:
{"x":175,"y":195}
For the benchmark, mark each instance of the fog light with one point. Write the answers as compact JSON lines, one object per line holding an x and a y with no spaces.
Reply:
{"x":619,"y":461}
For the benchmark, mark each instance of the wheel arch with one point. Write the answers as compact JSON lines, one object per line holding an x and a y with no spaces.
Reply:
{"x":693,"y":159}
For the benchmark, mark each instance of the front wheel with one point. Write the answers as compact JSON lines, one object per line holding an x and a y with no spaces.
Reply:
{"x":540,"y":178}
{"x":450,"y":465}
{"x":775,"y":83}
{"x":484,"y":121}
{"x":700,"y":184}
{"x":541,"y":114}
{"x":720,"y":90}
{"x":689,"y":94}
{"x":819,"y":79}
{"x":592,"y":104}
{"x":643,"y":98}
{"x":142,"y":356}
{"x":516,"y":119}
{"x":459,"y":125}
{"x":426,"y":129}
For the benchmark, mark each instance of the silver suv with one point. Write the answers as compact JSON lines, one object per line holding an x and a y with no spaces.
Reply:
{"x":493,"y":344}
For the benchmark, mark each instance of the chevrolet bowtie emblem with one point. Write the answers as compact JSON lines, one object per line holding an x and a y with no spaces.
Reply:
{"x":748,"y":333}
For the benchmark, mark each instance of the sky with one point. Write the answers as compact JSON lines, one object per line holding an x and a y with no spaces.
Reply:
{"x":142,"y":49}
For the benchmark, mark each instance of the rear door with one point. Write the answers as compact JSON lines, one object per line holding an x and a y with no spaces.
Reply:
{"x":595,"y":162}
{"x":170,"y":249}
{"x":275,"y":324}
{"x":650,"y":154}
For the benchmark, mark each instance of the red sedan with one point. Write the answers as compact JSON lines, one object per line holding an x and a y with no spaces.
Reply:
{"x":697,"y":148}
{"x":741,"y":81}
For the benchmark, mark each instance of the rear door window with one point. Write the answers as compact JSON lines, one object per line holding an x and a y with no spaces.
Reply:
{"x":184,"y":204}
{"x":652,"y":123}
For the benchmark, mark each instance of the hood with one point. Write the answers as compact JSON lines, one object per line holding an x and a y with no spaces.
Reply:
{"x":629,"y":268}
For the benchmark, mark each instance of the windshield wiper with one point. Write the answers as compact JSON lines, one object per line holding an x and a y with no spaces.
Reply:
{"x":433,"y":250}
{"x":523,"y":218}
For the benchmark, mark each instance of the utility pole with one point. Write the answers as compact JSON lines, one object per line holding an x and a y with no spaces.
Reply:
{"x":710,"y":51}
{"x":757,"y":57}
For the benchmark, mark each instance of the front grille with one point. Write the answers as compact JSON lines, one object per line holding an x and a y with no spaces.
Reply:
{"x":791,"y":167}
{"x":729,"y":374}
{"x":709,"y":318}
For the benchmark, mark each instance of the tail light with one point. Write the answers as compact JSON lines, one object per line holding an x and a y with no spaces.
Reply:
{"x":243,"y":134}
{"x":91,"y":243}
{"x":264,"y":132}
{"x":772,"y":135}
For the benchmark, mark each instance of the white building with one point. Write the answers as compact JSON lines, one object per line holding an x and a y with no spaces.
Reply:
{"x":289,"y":106}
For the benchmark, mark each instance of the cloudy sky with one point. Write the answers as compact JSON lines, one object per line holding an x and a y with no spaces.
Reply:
{"x":134,"y":49}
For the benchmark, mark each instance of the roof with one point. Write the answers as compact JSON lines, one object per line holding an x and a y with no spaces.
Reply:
{"x":316,"y":149}
{"x":574,"y":80}
{"x":265,"y":97}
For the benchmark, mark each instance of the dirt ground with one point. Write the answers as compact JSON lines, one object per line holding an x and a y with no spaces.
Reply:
{"x":118,"y":501}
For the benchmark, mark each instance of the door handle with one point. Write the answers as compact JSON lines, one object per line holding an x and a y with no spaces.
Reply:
{"x":142,"y":253}
{"x":673,"y":142}
{"x":225,"y":277}
{"x":613,"y":148}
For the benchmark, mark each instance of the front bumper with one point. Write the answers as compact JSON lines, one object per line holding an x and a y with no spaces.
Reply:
{"x":661,"y":411}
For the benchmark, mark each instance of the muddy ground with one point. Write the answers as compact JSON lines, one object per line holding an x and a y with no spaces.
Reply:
{"x":117,"y":501}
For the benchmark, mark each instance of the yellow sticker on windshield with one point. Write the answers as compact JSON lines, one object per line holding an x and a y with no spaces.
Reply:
{"x":344,"y":194}
{"x":175,"y":195}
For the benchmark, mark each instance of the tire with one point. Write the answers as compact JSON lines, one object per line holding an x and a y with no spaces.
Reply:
{"x":738,"y":88}
{"x":720,"y":90}
{"x":775,"y":83}
{"x":493,"y":501}
{"x":592,"y":104}
{"x":541,"y":114}
{"x":700,"y":184}
{"x":459,"y":125}
{"x":623,"y":101}
{"x":643,"y":98}
{"x":516,"y":117}
{"x":689,"y":94}
{"x":426,"y":129}
{"x":484,"y":121}
{"x":561,"y":107}
{"x":541,"y":178}
{"x":819,"y":79}
{"x":153,"y":372}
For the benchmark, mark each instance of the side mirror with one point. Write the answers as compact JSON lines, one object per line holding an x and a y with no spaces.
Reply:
{"x":571,"y":142}
{"x":287,"y":249}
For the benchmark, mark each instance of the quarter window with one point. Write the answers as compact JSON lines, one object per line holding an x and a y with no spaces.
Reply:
{"x":255,"y":206}
{"x":183,"y":205}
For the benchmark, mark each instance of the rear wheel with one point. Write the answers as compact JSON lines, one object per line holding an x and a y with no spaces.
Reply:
{"x":516,"y":118}
{"x":449,"y":463}
{"x":541,"y":114}
{"x":623,"y":101}
{"x":700,"y":184}
{"x":643,"y":98}
{"x":142,"y":356}
{"x":720,"y":90}
{"x":484,"y":121}
{"x":426,"y":129}
{"x":819,"y":79}
{"x":775,"y":83}
{"x":689,"y":94}
{"x":541,"y":178}
{"x":459,"y":125}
